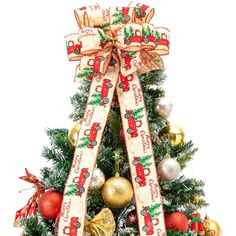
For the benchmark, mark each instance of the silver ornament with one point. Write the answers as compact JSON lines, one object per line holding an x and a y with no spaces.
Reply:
{"x":168,"y":169}
{"x":163,"y":107}
{"x":97,"y":180}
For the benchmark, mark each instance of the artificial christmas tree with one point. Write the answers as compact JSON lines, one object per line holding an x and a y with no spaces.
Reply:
{"x":122,"y":129}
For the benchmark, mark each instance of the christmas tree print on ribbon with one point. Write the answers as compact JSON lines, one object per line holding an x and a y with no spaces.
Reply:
{"x":87,"y":73}
{"x":103,"y":39}
{"x":77,"y":188}
{"x":100,"y":97}
{"x":140,"y":11}
{"x":150,"y":215}
{"x":134,"y":121}
{"x":105,"y":27}
{"x":127,"y":56}
{"x":148,"y":35}
{"x":132,"y":36}
{"x":90,"y":136}
{"x":141,"y":166}
{"x":121,"y":17}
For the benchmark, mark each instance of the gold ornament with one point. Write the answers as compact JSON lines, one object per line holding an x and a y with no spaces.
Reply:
{"x":173,"y":133}
{"x":98,"y":179}
{"x":162,"y":107}
{"x":73,"y":133}
{"x":211,"y":227}
{"x":117,"y":192}
{"x":103,"y":224}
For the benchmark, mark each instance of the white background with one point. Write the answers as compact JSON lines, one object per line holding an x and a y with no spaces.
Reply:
{"x":37,"y":81}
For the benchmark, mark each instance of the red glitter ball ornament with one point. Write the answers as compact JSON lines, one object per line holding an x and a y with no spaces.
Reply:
{"x":50,"y":204}
{"x":176,"y":221}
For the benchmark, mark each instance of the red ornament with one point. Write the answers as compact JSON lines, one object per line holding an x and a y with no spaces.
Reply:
{"x":132,"y":218}
{"x":176,"y":221}
{"x":50,"y":204}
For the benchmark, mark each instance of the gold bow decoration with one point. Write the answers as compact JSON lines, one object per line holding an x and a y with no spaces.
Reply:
{"x":103,"y":224}
{"x":112,"y":47}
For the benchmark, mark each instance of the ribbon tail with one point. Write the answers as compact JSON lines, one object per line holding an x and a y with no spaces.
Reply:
{"x":138,"y":143}
{"x":89,"y":139}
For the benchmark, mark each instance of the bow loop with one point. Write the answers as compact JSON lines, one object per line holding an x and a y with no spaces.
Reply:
{"x":143,"y":13}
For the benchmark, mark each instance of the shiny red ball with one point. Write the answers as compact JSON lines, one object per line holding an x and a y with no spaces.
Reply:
{"x":176,"y":221}
{"x":50,"y":204}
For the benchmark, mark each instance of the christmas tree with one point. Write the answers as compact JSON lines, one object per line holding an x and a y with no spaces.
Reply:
{"x":109,"y":213}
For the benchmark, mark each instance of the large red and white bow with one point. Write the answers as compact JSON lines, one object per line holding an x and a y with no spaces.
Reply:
{"x":114,"y":46}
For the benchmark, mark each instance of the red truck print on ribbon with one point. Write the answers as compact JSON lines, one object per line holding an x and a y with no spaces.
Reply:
{"x":141,"y":165}
{"x":163,"y":40}
{"x":121,"y":16}
{"x":131,"y":36}
{"x":101,"y":95}
{"x":150,"y":215}
{"x":128,"y":57}
{"x":134,"y":122}
{"x":96,"y":64}
{"x":140,"y":10}
{"x":124,"y":82}
{"x":77,"y":188}
{"x":73,"y":228}
{"x":92,"y":134}
{"x":74,"y":48}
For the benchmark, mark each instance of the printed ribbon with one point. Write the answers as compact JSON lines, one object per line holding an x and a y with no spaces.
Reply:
{"x":30,"y":208}
{"x":113,"y":46}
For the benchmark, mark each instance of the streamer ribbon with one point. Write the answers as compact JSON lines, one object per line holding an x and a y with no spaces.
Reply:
{"x":114,"y":46}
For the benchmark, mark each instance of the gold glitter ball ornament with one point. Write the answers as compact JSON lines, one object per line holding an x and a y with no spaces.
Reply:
{"x":73,"y":133}
{"x":117,"y":192}
{"x":211,"y":227}
{"x":173,"y":133}
{"x":98,"y":179}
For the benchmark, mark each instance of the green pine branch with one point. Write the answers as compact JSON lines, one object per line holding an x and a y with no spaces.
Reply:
{"x":179,"y":233}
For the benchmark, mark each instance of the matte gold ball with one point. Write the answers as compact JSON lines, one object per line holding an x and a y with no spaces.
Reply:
{"x":173,"y":133}
{"x":117,"y":192}
{"x":211,"y":227}
{"x":73,"y":133}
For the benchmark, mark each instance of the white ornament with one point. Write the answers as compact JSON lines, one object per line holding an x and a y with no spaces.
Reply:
{"x":168,"y":169}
